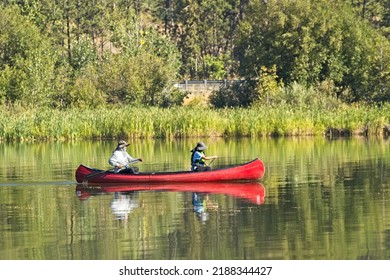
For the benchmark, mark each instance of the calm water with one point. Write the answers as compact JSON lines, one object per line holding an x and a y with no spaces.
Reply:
{"x":319,"y":199}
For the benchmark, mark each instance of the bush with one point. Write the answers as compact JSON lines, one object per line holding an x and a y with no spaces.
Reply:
{"x":236,"y":94}
{"x":27,"y":64}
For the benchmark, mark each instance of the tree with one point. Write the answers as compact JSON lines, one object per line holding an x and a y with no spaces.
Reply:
{"x":143,"y":69}
{"x":374,"y":11}
{"x":203,"y":32}
{"x":27,"y":61}
{"x":332,"y":45}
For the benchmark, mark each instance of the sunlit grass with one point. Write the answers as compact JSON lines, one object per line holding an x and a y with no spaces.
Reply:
{"x":17,"y":124}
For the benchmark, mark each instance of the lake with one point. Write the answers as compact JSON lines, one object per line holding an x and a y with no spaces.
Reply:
{"x":320,"y":199}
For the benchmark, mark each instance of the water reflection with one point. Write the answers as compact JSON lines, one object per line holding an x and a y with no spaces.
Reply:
{"x":125,"y":198}
{"x":200,"y":203}
{"x":123,"y":203}
{"x":325,"y":200}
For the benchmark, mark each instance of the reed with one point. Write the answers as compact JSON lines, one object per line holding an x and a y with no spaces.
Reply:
{"x":19,"y":124}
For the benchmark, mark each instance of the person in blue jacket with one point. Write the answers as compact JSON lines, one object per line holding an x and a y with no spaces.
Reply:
{"x":198,"y":158}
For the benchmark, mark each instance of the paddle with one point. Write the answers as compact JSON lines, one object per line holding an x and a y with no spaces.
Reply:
{"x":89,"y":176}
{"x":211,"y":161}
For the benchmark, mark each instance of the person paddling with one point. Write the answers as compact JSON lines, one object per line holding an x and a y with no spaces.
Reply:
{"x":198,"y":158}
{"x":121,"y":160}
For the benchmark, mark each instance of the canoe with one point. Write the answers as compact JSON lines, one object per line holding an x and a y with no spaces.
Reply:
{"x":253,"y":192}
{"x":250,"y":171}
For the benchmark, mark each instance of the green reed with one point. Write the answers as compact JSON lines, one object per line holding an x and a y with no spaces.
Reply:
{"x":19,"y":124}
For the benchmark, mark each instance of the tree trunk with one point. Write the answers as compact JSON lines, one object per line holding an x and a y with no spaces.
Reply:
{"x":68,"y":38}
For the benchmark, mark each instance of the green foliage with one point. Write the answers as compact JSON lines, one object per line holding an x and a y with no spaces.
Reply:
{"x":296,"y":118}
{"x":236,"y":94}
{"x":299,"y":97}
{"x":143,"y":79}
{"x":83,"y":53}
{"x":268,"y":94}
{"x":54,"y":53}
{"x":108,"y":54}
{"x":331,"y":45}
{"x":27,"y":61}
{"x":196,"y":102}
{"x":144,"y":71}
{"x":374,"y":11}
{"x":213,"y":67}
{"x":84,"y":92}
{"x":203,"y":37}
{"x":267,"y":85}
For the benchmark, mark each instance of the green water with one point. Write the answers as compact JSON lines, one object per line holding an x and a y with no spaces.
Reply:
{"x":323,"y":199}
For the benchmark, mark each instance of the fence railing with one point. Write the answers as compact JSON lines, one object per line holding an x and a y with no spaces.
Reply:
{"x":202,"y":86}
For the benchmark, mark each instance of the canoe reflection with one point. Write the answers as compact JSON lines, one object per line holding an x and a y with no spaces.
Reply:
{"x":126,"y":196}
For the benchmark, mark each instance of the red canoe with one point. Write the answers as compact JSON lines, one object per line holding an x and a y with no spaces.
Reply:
{"x":250,"y":171}
{"x":253,"y":192}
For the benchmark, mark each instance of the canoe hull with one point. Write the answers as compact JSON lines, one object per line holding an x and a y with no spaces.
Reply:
{"x":250,"y":171}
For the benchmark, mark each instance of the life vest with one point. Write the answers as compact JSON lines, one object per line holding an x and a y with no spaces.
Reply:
{"x":198,"y":162}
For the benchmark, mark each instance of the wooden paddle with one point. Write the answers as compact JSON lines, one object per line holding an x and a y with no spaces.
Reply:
{"x":211,"y":161}
{"x":89,"y":176}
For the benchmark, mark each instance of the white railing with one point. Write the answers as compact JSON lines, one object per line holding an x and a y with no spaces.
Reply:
{"x":197,"y":86}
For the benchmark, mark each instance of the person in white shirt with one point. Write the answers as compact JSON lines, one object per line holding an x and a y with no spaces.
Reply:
{"x":121,"y":160}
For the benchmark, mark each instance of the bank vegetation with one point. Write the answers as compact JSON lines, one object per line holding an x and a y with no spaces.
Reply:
{"x":103,"y":69}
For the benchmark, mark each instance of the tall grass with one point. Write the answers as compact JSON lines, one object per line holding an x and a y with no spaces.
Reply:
{"x":20,"y":124}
